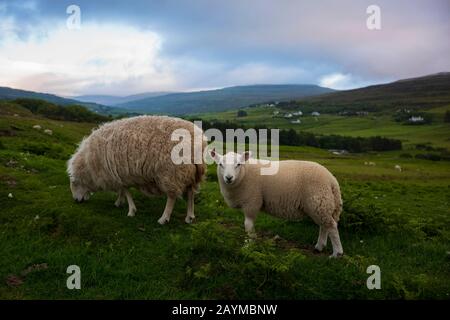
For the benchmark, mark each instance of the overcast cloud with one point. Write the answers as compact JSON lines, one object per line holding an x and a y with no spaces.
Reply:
{"x":127,"y":47}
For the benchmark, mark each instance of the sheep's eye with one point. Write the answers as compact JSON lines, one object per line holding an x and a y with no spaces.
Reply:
{"x":221,"y":165}
{"x":238,"y":165}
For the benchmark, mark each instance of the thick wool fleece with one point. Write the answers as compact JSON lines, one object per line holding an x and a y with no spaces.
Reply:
{"x":136,"y":152}
{"x":299,"y":188}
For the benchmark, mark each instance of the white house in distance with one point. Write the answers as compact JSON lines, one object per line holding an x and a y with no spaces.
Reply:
{"x":288,"y":115}
{"x":315,"y":114}
{"x":296,"y":121}
{"x":416,"y":119}
{"x":298,"y":113}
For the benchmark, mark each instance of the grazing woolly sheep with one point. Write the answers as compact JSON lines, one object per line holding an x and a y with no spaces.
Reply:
{"x":298,"y":188}
{"x":136,"y":152}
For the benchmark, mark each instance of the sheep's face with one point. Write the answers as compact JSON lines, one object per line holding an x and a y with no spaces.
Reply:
{"x":79,"y":192}
{"x":229,"y":165}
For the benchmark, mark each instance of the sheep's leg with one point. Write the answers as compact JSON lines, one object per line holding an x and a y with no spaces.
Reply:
{"x":335,"y":241}
{"x":120,"y":199}
{"x":249,"y":223}
{"x":190,"y":206}
{"x":319,"y":208}
{"x":131,"y":205}
{"x":322,"y":241}
{"x":167,"y":210}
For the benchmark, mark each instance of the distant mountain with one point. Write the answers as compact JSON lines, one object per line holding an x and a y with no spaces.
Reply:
{"x":222,"y":99}
{"x":414,"y":93}
{"x":116,"y":100}
{"x":11,"y":94}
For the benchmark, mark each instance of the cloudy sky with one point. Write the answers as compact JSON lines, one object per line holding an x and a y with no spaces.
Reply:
{"x":134,"y":46}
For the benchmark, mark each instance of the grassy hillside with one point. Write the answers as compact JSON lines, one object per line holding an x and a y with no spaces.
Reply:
{"x":12,"y":94}
{"x":115,"y":100}
{"x":222,"y":99}
{"x":416,"y":93}
{"x":396,"y":220}
{"x":50,"y":110}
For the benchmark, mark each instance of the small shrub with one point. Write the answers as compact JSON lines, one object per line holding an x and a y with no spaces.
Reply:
{"x":212,"y":237}
{"x":262,"y":255}
{"x":241,"y":113}
{"x":406,"y":155}
{"x":360,"y":217}
{"x":428,"y":156}
{"x":424,"y":146}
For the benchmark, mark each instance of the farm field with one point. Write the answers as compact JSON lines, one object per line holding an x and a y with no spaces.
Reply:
{"x":396,"y":220}
{"x":383,"y":124}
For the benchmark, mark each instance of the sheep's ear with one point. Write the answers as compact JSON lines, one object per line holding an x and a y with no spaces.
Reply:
{"x":214,"y":155}
{"x":247,"y":155}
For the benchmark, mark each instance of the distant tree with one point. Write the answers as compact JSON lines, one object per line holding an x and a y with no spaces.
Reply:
{"x":57,"y":112}
{"x":241,"y":113}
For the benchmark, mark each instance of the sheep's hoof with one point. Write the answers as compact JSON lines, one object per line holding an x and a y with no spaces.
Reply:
{"x":318,"y":249}
{"x":162,"y":220}
{"x":118,"y":203}
{"x":336,"y":255}
{"x":249,"y":240}
{"x":131,"y":214}
{"x":251,"y":235}
{"x":189,"y":220}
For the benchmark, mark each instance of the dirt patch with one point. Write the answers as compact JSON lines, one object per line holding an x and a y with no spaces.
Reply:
{"x":8,"y":180}
{"x":7,"y":133}
{"x":14,"y":281}
{"x":286,"y":244}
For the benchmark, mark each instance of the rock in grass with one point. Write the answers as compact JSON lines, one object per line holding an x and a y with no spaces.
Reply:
{"x":10,"y":195}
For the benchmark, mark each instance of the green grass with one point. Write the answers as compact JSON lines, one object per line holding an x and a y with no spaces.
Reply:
{"x":438,"y":133}
{"x":397,"y":220}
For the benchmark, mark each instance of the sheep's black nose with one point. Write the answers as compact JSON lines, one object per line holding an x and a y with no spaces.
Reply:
{"x":79,"y":201}
{"x":228,"y":178}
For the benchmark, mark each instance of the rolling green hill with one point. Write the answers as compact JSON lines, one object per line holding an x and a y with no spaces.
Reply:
{"x":36,"y":107}
{"x":11,"y":94}
{"x":415,"y":93}
{"x":222,"y":99}
{"x":109,"y":100}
